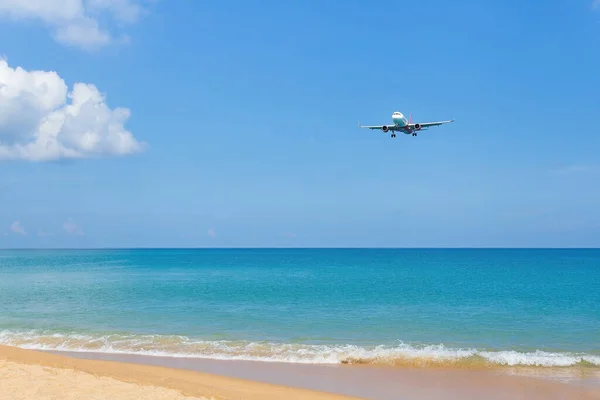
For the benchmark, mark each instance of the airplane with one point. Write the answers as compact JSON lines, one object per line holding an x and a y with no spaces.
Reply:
{"x":400,"y":124}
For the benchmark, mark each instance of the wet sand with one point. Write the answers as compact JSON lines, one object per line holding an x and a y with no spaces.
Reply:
{"x":32,"y":375}
{"x":259,"y":380}
{"x":374,"y":382}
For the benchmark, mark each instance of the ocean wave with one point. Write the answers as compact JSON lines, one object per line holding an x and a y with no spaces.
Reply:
{"x":186,"y":347}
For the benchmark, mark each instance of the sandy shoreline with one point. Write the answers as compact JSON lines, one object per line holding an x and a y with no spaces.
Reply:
{"x":26,"y":374}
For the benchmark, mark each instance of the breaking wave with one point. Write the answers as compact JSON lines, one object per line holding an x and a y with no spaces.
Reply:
{"x":186,"y":347}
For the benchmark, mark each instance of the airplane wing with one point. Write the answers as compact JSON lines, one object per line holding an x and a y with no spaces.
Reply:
{"x":390,"y":127}
{"x":428,"y":124}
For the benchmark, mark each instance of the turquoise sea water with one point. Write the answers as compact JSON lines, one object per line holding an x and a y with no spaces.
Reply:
{"x":404,"y":307}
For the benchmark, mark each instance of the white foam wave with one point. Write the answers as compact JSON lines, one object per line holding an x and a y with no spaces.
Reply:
{"x":185,"y":347}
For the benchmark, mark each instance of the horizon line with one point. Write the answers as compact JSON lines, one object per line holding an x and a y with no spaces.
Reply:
{"x":309,"y":248}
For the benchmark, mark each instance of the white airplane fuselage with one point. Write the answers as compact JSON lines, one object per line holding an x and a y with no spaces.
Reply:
{"x":399,"y":119}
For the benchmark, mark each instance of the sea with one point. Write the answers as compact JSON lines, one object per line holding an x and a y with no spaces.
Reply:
{"x":496,"y":308}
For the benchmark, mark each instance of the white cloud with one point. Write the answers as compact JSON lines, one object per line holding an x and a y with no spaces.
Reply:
{"x":18,"y":228}
{"x":72,"y":228}
{"x":127,"y":11}
{"x":41,"y":120}
{"x":75,"y":22}
{"x":212,"y":232}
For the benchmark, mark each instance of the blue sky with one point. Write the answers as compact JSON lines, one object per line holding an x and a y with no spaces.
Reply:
{"x":243,"y":124}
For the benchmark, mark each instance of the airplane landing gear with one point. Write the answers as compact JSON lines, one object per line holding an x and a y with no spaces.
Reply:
{"x":393,"y":135}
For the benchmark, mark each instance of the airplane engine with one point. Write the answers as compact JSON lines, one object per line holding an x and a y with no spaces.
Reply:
{"x":385,"y":129}
{"x":418,"y":127}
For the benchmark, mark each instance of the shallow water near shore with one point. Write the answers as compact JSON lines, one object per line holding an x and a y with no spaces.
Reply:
{"x":521,"y":310}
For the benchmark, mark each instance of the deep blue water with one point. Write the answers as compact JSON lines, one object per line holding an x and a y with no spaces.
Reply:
{"x":513,"y":307}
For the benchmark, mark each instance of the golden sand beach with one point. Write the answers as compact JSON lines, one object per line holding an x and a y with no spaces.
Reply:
{"x":29,"y":375}
{"x":32,"y":375}
{"x":26,"y":381}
